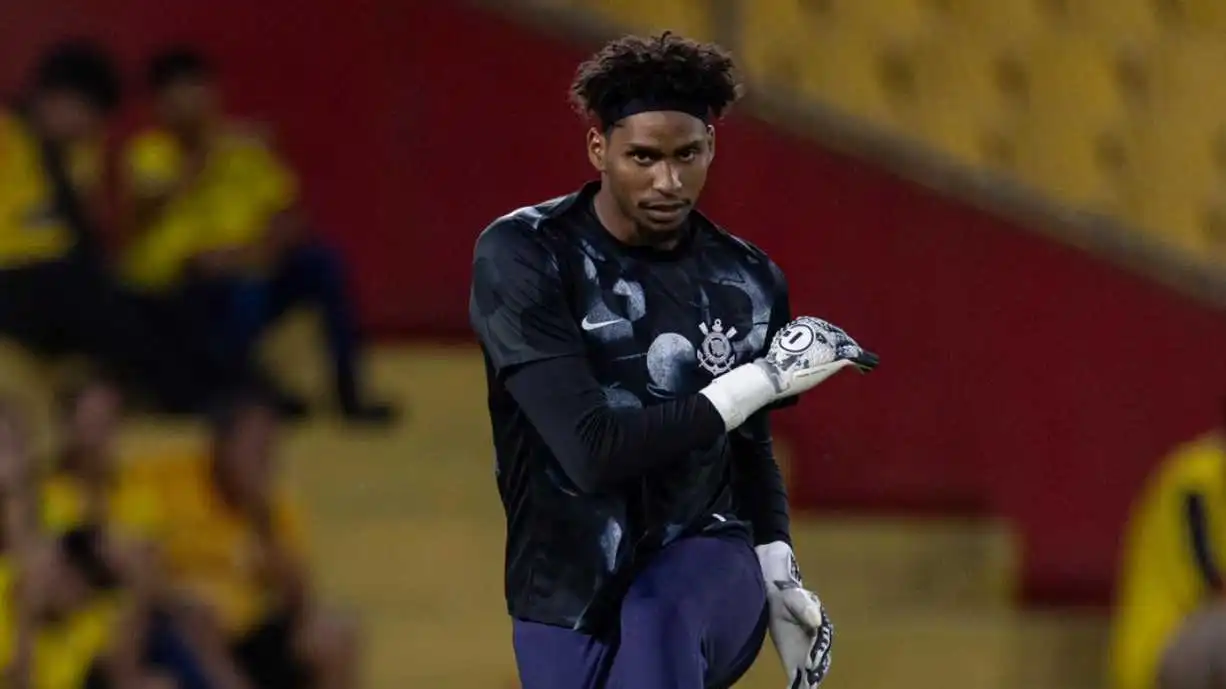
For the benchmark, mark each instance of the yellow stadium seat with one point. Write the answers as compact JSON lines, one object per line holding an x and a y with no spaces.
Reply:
{"x":1066,"y":77}
{"x":1200,"y":15}
{"x":1073,"y":111}
{"x":690,"y":18}
{"x":959,"y":106}
{"x":886,"y":17}
{"x":1175,"y":176}
{"x":1073,"y":165}
{"x":993,"y":17}
{"x":1120,"y":19}
{"x":770,"y":41}
{"x":846,"y":69}
{"x":1184,"y":76}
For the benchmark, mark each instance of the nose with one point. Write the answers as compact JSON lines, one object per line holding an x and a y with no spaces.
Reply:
{"x":667,"y":179}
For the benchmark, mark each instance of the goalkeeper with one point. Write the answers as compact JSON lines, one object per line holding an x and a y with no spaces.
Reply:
{"x":633,"y":350}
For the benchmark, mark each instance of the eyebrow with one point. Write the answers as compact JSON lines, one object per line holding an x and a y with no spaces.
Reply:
{"x":650,"y":148}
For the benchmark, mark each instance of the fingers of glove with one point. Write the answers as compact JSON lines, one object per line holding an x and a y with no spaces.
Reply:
{"x":808,"y":378}
{"x":865,"y":360}
{"x":792,"y":642}
{"x":804,"y":607}
{"x":817,"y":662}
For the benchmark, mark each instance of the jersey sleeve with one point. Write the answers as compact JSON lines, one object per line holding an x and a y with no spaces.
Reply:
{"x":597,"y":446}
{"x":518,"y":305}
{"x":757,"y":484}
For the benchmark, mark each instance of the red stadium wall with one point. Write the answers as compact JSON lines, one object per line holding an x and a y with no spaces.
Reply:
{"x":1020,"y":377}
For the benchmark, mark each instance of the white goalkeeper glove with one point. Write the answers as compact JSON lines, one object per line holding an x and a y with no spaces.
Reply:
{"x":803,"y":353}
{"x":799,"y":627}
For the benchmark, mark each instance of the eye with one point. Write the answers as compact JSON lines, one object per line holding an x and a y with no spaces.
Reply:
{"x":642,"y":158}
{"x":688,"y":155}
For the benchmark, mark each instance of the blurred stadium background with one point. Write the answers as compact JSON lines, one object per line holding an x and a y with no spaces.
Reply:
{"x":1021,"y":204}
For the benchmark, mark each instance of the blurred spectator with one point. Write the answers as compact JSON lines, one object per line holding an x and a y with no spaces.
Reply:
{"x":90,"y":487}
{"x":217,"y":220}
{"x":55,"y":296}
{"x":58,"y":627}
{"x":87,"y":486}
{"x":1169,"y":630}
{"x":234,"y":544}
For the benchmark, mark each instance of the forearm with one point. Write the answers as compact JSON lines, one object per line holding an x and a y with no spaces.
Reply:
{"x":598,"y":445}
{"x":758,"y":484}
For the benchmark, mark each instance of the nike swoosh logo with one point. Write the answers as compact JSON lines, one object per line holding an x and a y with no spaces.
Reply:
{"x":590,"y":326}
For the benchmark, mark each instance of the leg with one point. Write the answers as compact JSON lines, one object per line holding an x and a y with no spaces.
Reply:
{"x":228,"y":315}
{"x":693,"y":618}
{"x":83,"y":310}
{"x":329,"y":644}
{"x":313,"y":273}
{"x":169,"y":652}
{"x":557,"y":658}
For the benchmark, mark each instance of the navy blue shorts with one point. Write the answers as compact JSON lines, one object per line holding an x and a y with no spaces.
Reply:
{"x":694,"y":618}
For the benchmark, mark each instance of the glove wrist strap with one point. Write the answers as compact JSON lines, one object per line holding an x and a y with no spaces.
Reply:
{"x":740,"y":393}
{"x":778,"y":564}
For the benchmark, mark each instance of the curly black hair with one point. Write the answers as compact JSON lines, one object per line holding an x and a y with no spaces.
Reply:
{"x":666,"y":67}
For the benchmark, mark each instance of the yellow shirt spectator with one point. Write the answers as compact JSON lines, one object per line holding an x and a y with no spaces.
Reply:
{"x":1175,"y":543}
{"x":241,"y":186}
{"x":211,"y":551}
{"x":133,"y":507}
{"x":63,"y":652}
{"x":30,"y":229}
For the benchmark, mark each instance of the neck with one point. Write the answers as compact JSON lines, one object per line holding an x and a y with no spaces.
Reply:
{"x":614,"y":221}
{"x":624,"y":229}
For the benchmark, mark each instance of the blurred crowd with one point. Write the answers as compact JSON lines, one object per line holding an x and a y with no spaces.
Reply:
{"x":165,"y":274}
{"x":161,"y":262}
{"x":173,"y":571}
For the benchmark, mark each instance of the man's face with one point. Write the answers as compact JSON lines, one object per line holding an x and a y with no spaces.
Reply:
{"x":655,"y":166}
{"x":187,"y":104}
{"x":68,"y":117}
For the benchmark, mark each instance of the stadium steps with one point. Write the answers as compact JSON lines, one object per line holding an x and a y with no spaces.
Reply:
{"x":408,"y":532}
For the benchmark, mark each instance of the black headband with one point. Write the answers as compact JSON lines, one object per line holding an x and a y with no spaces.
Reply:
{"x":615,"y":113}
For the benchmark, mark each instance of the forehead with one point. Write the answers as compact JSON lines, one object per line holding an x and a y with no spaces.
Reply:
{"x":659,"y":129}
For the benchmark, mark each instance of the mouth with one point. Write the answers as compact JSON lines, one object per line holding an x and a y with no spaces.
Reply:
{"x":665,"y":212}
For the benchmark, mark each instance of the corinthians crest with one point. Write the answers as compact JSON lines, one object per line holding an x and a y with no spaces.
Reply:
{"x":715,"y":353}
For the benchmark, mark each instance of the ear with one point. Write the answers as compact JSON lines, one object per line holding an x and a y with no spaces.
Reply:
{"x":597,"y":149}
{"x":711,"y":141}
